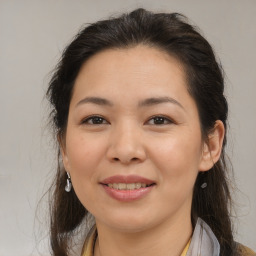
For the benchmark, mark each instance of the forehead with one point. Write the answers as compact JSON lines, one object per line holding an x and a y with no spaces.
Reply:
{"x":138,"y":66}
{"x":136,"y":55}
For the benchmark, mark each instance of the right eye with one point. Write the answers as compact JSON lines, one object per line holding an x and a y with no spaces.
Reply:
{"x":94,"y":120}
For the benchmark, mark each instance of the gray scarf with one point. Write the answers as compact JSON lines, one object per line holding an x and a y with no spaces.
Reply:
{"x":203,"y":242}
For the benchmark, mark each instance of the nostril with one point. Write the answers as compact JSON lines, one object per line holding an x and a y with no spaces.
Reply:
{"x":134,"y":159}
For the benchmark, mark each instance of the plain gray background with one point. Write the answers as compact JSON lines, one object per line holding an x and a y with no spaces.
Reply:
{"x":32,"y":36}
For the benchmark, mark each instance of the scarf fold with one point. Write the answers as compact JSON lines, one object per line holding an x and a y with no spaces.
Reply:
{"x":203,"y":242}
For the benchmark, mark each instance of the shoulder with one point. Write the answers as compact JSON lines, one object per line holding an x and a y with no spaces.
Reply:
{"x":245,"y":251}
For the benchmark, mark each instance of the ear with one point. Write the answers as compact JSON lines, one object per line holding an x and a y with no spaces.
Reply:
{"x":212,"y":147}
{"x":62,"y":145}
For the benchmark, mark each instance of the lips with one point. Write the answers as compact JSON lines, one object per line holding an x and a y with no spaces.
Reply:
{"x":127,"y":188}
{"x":127,"y":179}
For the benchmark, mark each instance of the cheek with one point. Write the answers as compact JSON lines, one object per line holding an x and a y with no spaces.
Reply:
{"x":84,"y":155}
{"x":178,"y":159}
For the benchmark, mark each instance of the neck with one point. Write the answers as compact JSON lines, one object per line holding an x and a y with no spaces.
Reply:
{"x":170,"y":236}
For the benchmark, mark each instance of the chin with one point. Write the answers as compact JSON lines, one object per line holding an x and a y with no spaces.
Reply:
{"x":128,"y":223}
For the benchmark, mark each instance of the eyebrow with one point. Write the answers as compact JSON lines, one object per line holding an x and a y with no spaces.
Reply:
{"x":159,"y":100}
{"x":95,"y":100}
{"x":144,"y":103}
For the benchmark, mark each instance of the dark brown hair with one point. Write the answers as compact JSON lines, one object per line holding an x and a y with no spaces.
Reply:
{"x":171,"y":33}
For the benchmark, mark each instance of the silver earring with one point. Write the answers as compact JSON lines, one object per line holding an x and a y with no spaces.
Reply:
{"x":204,"y":185}
{"x":69,"y":185}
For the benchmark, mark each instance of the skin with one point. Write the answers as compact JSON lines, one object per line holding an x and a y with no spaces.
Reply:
{"x":129,"y":141}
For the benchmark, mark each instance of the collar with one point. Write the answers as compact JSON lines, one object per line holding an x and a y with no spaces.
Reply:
{"x":203,"y":242}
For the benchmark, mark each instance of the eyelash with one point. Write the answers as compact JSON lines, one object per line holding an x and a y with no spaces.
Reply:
{"x":99,"y":118}
{"x":91,"y":118}
{"x":162,"y":118}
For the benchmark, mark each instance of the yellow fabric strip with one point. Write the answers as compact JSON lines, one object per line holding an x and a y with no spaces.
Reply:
{"x":184,"y":253}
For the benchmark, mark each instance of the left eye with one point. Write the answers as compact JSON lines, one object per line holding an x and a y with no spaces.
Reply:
{"x":159,"y":120}
{"x":95,"y":120}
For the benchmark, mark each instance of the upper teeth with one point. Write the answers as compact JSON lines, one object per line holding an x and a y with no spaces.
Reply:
{"x":125,"y":186}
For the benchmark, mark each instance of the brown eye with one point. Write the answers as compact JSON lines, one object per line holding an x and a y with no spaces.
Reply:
{"x":94,"y":120}
{"x":159,"y":120}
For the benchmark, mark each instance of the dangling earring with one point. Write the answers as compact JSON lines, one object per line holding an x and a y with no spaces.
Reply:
{"x":204,"y":185}
{"x":69,"y":185}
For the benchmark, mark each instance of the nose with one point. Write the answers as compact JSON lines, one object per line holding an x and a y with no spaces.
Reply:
{"x":126,"y":145}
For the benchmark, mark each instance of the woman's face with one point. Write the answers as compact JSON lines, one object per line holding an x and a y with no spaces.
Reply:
{"x":133,"y":143}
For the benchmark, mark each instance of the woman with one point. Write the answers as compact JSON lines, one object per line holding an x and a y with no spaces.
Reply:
{"x":140,"y":118}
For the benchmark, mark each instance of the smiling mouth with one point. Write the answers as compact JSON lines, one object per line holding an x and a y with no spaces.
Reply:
{"x":128,"y":192}
{"x":128,"y":186}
